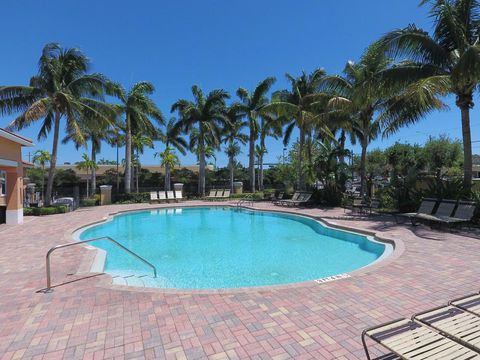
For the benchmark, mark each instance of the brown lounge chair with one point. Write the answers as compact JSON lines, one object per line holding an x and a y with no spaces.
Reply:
{"x":407,"y":339}
{"x":445,"y":210}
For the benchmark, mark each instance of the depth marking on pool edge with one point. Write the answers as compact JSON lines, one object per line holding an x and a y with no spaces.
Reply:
{"x":331,"y":278}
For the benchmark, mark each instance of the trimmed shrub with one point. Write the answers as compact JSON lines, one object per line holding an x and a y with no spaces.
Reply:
{"x":88,"y":202}
{"x":132,"y":198}
{"x":45,"y":210}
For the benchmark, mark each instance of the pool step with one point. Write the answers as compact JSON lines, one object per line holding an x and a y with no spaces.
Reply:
{"x":130,"y":279}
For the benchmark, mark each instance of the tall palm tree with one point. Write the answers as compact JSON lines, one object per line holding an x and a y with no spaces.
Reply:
{"x":62,"y":89}
{"x":88,"y":165}
{"x":300,"y":106}
{"x":369,"y":99}
{"x":173,"y":140}
{"x":233,"y":136}
{"x":446,"y":62}
{"x":253,"y":105}
{"x":206,"y":115}
{"x":41,"y":158}
{"x":139,"y":111}
{"x":139,"y":142}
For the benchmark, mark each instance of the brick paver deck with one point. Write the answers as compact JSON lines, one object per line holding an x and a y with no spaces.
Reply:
{"x":92,"y":319}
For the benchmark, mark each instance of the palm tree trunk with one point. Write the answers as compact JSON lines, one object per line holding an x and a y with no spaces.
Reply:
{"x":231,"y":166}
{"x":53,"y":160}
{"x":128,"y":158}
{"x":167,"y":177}
{"x":43,"y":182}
{"x":118,"y":174}
{"x":260,"y":176}
{"x":300,"y":175}
{"x":88,"y":192}
{"x":465,"y":103}
{"x":94,"y":169}
{"x":201,"y":173}
{"x":137,"y":171}
{"x":251,"y":157}
{"x":341,"y":143}
{"x":363,"y":165}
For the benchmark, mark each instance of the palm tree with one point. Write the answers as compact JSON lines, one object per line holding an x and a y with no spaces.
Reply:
{"x":139,"y":111}
{"x":446,"y":62}
{"x":207,"y":116}
{"x":61,"y":89}
{"x":168,"y":159}
{"x":253,"y":105}
{"x":41,"y":158}
{"x":86,"y":164}
{"x":139,"y":142}
{"x":300,"y":106}
{"x":269,"y":126}
{"x":233,"y":137}
{"x":172,"y":140}
{"x":369,"y":99}
{"x":94,"y":132}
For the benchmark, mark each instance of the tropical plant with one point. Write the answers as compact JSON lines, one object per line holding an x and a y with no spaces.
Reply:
{"x":300,"y":106}
{"x":139,"y":142}
{"x":269,"y":126}
{"x":233,"y":137}
{"x":139,"y":111}
{"x":173,"y":140}
{"x":446,"y":62}
{"x":41,"y":158}
{"x":168,"y":159}
{"x":253,"y":105}
{"x":88,"y":165}
{"x":61,"y":89}
{"x":205,"y":115}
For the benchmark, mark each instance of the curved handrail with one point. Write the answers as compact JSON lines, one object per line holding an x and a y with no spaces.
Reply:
{"x":247,"y":199}
{"x":108,"y":238}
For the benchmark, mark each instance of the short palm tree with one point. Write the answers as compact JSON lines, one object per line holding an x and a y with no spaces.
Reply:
{"x":205,"y":115}
{"x":299,"y":106}
{"x":233,"y":136}
{"x":253,"y":105}
{"x":88,"y":165}
{"x":62,"y":89}
{"x":173,"y":140}
{"x":168,"y":159}
{"x":446,"y":62}
{"x":139,"y":111}
{"x":41,"y":158}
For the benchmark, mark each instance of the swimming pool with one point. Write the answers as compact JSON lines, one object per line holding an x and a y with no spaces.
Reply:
{"x":224,"y":247}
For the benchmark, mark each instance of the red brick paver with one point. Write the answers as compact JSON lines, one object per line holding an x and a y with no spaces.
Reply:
{"x":91,"y":319}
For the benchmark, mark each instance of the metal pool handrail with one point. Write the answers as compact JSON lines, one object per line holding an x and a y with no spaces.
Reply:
{"x":245,"y":200}
{"x":108,"y":238}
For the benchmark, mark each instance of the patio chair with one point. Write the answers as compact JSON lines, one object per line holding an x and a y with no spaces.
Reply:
{"x":274,"y":197}
{"x":359,"y":205}
{"x":295,"y":197}
{"x":170,"y":196}
{"x":302,"y":200}
{"x":408,"y":339}
{"x":426,"y":207}
{"x":453,"y":322}
{"x":219,"y":193}
{"x":153,"y":197}
{"x":463,"y":214}
{"x":470,"y":303}
{"x":162,"y":196}
{"x":226,"y":193}
{"x":212,"y":194}
{"x":178,"y":196}
{"x":444,"y":210}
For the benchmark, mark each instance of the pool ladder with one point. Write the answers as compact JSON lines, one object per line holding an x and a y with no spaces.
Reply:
{"x":247,"y":200}
{"x":108,"y":238}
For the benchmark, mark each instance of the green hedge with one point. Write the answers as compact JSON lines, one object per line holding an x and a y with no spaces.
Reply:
{"x":88,"y":202}
{"x":45,"y":210}
{"x":132,"y":198}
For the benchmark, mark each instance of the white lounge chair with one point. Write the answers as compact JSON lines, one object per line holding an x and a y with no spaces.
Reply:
{"x":161,"y":196}
{"x":170,"y":196}
{"x":153,"y":197}
{"x":226,"y":193}
{"x":178,"y":195}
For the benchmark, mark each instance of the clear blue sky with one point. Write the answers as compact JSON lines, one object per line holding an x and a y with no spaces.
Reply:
{"x":212,"y":43}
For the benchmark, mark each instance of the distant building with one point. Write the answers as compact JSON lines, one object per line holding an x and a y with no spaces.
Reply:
{"x":11,"y":176}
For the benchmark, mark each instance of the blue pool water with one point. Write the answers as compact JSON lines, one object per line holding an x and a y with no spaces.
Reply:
{"x":219,"y":247}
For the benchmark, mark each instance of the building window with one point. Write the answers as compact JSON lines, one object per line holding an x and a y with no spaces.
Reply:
{"x":3,"y":183}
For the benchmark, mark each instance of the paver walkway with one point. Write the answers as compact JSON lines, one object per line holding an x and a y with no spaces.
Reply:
{"x":92,"y":319}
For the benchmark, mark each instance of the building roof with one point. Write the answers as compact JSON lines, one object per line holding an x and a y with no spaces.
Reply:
{"x":15,"y":138}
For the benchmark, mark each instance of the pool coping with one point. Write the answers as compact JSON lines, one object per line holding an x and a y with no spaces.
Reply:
{"x":87,"y":264}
